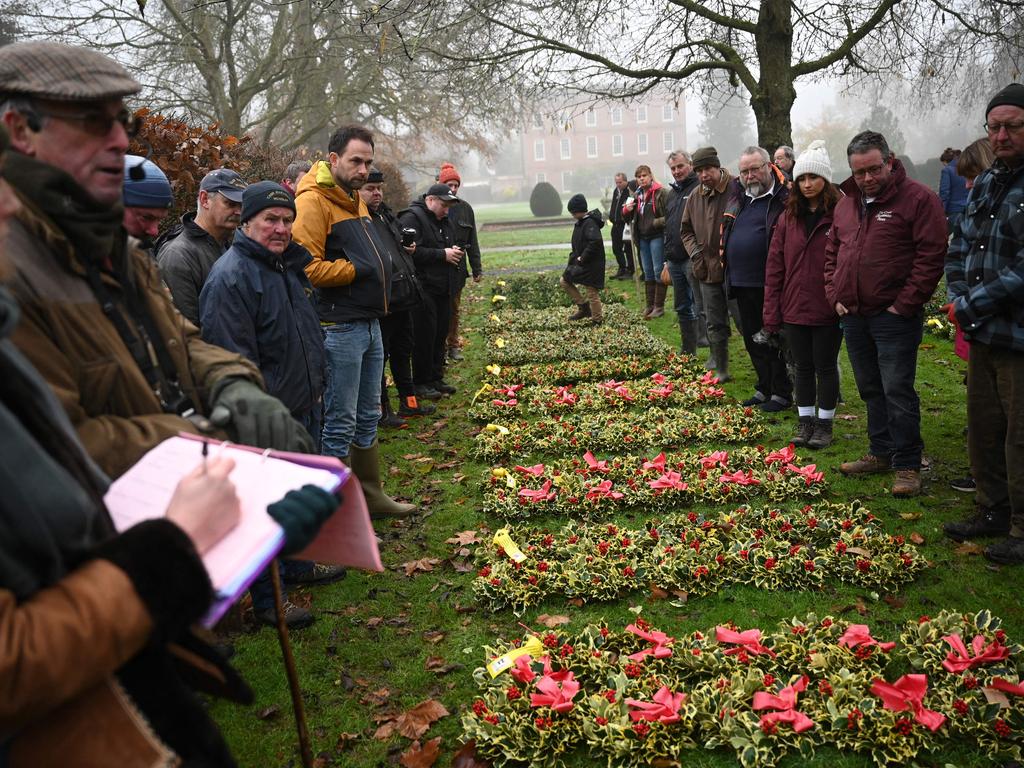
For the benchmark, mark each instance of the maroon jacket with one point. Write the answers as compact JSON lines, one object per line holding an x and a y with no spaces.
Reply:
{"x":887,"y":253}
{"x":794,"y":277}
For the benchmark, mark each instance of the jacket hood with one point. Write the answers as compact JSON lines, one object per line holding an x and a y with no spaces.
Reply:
{"x":899,"y":175}
{"x":319,"y":181}
{"x":295,"y":257}
{"x":594,"y":214}
{"x":420,"y":203}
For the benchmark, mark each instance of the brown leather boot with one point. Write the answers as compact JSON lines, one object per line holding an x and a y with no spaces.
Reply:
{"x":868,"y":464}
{"x":660,"y":290}
{"x":907,"y":483}
{"x":582,"y":312}
{"x":649,"y":289}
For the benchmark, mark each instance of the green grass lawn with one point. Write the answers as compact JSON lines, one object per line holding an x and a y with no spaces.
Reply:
{"x":527,"y":236}
{"x":494,"y":212}
{"x":379,"y":636}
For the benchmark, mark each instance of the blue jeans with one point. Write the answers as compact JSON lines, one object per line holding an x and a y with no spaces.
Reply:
{"x":883,"y":354}
{"x":355,"y":364}
{"x":682,"y":292}
{"x":652,"y":256}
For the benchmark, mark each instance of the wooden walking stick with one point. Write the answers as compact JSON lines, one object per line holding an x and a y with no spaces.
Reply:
{"x":289,"y":667}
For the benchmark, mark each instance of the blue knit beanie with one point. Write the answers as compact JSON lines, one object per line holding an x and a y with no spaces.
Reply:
{"x":145,"y":185}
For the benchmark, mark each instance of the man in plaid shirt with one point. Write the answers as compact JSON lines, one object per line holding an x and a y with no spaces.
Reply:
{"x":985,"y":282}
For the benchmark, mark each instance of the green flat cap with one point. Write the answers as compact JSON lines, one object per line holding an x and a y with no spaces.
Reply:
{"x":61,"y":72}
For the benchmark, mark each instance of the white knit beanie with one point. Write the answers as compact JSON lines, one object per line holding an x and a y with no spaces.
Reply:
{"x":814,"y":160}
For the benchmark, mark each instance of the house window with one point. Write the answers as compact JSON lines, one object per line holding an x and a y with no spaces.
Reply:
{"x":566,"y":181}
{"x":591,"y":118}
{"x":565,"y":148}
{"x":641,"y":143}
{"x":617,"y":145}
{"x":668,"y":139}
{"x":668,"y":113}
{"x":616,"y":115}
{"x":538,"y":121}
{"x":641,"y":113}
{"x":541,"y":177}
{"x":538,"y":150}
{"x":591,"y":146}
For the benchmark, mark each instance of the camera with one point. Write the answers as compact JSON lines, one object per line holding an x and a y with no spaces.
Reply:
{"x":408,"y":237}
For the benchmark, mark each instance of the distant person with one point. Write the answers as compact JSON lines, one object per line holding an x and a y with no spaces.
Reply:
{"x":952,"y":187}
{"x":976,"y":158}
{"x":147,"y":198}
{"x":586,"y":262}
{"x":688,"y":303}
{"x":187,"y":253}
{"x":794,"y":295}
{"x":883,"y":260}
{"x":984,"y":286}
{"x":645,"y":211}
{"x":463,"y":223}
{"x":784,"y":158}
{"x":293,"y":173}
{"x":621,"y":250}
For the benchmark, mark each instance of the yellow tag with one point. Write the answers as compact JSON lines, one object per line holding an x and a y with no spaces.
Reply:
{"x":496,"y":428}
{"x":501,"y":283}
{"x":494,"y":369}
{"x":532,"y":647}
{"x":510,"y":480}
{"x":497,"y":298}
{"x":499,"y":471}
{"x":503,"y":540}
{"x":499,"y":343}
{"x":558,"y":480}
{"x":324,"y":177}
{"x":495,"y":319}
{"x":485,"y":388}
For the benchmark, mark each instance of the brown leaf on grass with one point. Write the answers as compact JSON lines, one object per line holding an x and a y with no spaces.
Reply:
{"x":969,"y":548}
{"x":421,"y":757}
{"x":657,"y":593}
{"x":411,"y":456}
{"x":269,"y":713}
{"x":433,"y":636}
{"x":423,"y":564}
{"x":910,"y":515}
{"x":552,"y":621}
{"x":682,"y":594}
{"x":413,"y":723}
{"x":862,"y":607}
{"x":847,"y":416}
{"x":576,"y":601}
{"x":377,"y":698}
{"x":346,"y":741}
{"x":916,"y":538}
{"x":858,"y":551}
{"x":462,"y":566}
{"x":374,"y":621}
{"x":894,"y":602}
{"x":464,"y":538}
{"x":466,"y":757}
{"x":434,"y":662}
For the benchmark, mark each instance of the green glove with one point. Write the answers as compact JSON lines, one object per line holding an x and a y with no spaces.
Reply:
{"x":301,"y":513}
{"x":258,"y":419}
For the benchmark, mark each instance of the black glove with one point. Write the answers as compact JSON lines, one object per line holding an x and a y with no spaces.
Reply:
{"x":258,"y":419}
{"x":301,"y":513}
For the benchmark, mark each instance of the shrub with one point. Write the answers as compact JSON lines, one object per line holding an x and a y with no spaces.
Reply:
{"x":544,"y":200}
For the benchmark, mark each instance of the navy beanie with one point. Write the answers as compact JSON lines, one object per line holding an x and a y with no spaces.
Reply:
{"x":1012,"y":95}
{"x":577,"y":204}
{"x":265,"y":194}
{"x":152,"y":190}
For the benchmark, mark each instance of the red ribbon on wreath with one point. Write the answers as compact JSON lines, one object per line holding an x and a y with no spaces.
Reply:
{"x":748,"y":640}
{"x":859,"y":634}
{"x":784,"y":705}
{"x":664,"y":707}
{"x":960,"y":659}
{"x":659,"y":639}
{"x":907,"y":694}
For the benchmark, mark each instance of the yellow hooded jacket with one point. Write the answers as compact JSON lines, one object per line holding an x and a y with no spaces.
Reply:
{"x":351,"y":267}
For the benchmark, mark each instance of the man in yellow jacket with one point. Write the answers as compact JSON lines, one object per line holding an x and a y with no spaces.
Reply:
{"x":351,"y":269}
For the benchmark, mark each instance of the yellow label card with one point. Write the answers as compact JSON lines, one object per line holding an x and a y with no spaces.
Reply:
{"x":503,"y":540}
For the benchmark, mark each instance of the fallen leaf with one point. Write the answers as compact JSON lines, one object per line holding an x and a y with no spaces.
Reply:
{"x":576,"y":601}
{"x":927,"y":346}
{"x":462,"y":566}
{"x":374,"y":621}
{"x":916,"y":538}
{"x":346,"y":741}
{"x":858,"y":551}
{"x":466,"y":757}
{"x":433,"y":636}
{"x":410,"y":456}
{"x":377,"y":698}
{"x":895,"y":602}
{"x":862,"y":607}
{"x":552,"y":621}
{"x":992,"y":696}
{"x":464,"y":538}
{"x":421,"y":757}
{"x":415,"y":722}
{"x":423,"y":564}
{"x":847,"y":416}
{"x":434,"y":662}
{"x":969,"y":548}
{"x":910,"y":515}
{"x":657,"y":593}
{"x":269,"y":713}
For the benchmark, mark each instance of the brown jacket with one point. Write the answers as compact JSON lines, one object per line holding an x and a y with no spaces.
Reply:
{"x":701,"y":229}
{"x":79,"y":353}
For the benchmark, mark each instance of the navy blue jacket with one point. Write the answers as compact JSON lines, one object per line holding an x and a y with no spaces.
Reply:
{"x":260,"y":305}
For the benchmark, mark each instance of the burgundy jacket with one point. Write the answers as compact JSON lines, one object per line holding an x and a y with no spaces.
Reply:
{"x":794,"y":278}
{"x":889,"y":252}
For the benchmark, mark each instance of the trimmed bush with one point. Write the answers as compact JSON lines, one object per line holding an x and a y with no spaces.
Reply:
{"x":544,"y":200}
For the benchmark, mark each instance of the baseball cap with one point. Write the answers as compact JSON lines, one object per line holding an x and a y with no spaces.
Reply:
{"x":225,"y":181}
{"x":443,"y":192}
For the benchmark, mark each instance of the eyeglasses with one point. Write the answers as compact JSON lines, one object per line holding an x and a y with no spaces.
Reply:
{"x":996,"y":128}
{"x":95,"y":122}
{"x":749,"y":171}
{"x":873,"y":172}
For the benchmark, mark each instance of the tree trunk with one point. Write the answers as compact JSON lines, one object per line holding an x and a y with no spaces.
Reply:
{"x":775,"y":93}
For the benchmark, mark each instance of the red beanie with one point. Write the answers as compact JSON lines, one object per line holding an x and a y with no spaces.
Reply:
{"x":448,"y":173}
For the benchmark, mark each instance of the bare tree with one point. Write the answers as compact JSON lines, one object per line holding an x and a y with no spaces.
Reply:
{"x":762,"y":47}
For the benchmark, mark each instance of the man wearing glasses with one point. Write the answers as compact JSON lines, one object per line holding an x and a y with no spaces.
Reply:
{"x":883,"y":259}
{"x":985,"y":285}
{"x":96,"y":321}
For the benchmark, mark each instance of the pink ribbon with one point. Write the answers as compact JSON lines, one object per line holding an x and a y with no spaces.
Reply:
{"x":521,"y":669}
{"x":748,"y":640}
{"x":659,"y":640}
{"x":508,"y":391}
{"x":1006,"y":686}
{"x":659,"y":378}
{"x":555,"y":693}
{"x":603,"y":490}
{"x":859,"y":634}
{"x":611,"y":384}
{"x":536,"y":470}
{"x":784,"y":456}
{"x":785,"y":705}
{"x":658,"y":463}
{"x":565,"y":395}
{"x":907,"y":694}
{"x":664,"y":391}
{"x":510,"y":403}
{"x":720,"y":458}
{"x":593,"y":465}
{"x":709,"y":378}
{"x":808,"y":473}
{"x":960,"y":659}
{"x":739,"y":477}
{"x":664,"y":707}
{"x":668,"y":481}
{"x":544,"y":493}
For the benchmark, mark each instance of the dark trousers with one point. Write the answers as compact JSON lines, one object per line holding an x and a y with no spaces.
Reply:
{"x":622,"y":249}
{"x":430,"y":323}
{"x":814,"y":349}
{"x":397,"y":336}
{"x":769,"y":365}
{"x":883,"y":354}
{"x":995,"y":429}
{"x":683,"y":289}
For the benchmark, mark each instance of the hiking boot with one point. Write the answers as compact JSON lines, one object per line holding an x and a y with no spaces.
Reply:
{"x":1009,"y":551}
{"x":822,"y":436}
{"x":294,"y":616}
{"x":582,"y":312}
{"x":454,"y":354}
{"x":776,"y":405}
{"x":596,"y":321}
{"x":320,"y":573}
{"x":410,"y":406}
{"x":964,"y":485}
{"x":868,"y":464}
{"x":804,"y":430}
{"x":907,"y":483}
{"x":444,"y":387}
{"x":757,"y":399}
{"x":427,"y":392}
{"x":392,"y":421}
{"x":984,"y":522}
{"x":621,"y":274}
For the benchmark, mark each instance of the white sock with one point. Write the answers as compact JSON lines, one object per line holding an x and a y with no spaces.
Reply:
{"x":805,"y":410}
{"x":826,"y":415}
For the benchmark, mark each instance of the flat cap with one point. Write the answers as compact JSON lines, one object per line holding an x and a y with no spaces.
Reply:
{"x":61,"y":72}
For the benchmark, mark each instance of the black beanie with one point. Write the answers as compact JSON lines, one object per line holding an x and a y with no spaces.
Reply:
{"x":1013,"y":95}
{"x":704,"y":157}
{"x":577,"y":204}
{"x":265,"y":194}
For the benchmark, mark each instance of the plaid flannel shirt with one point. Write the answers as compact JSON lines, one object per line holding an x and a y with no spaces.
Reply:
{"x":985,"y":262}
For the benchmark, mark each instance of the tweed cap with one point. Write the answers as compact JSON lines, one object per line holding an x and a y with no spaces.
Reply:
{"x":61,"y":72}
